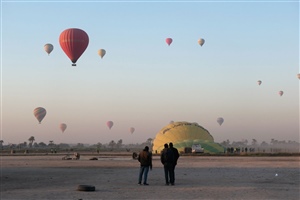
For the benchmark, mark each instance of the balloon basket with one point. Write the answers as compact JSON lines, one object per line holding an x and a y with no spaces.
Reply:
{"x":74,"y":65}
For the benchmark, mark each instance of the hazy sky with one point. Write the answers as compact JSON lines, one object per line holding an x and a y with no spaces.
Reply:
{"x":142,"y":82}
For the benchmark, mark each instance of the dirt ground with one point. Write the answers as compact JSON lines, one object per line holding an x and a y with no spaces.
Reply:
{"x":114,"y":177}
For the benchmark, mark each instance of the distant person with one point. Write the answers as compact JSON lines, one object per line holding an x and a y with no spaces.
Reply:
{"x":176,"y":156}
{"x":76,"y":156}
{"x":145,"y":158}
{"x":228,"y":150}
{"x":167,"y":159}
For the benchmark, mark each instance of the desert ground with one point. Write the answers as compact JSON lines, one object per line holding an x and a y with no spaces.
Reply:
{"x":116,"y":177}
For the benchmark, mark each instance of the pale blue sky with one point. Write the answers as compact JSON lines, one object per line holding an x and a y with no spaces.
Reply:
{"x":144,"y":83}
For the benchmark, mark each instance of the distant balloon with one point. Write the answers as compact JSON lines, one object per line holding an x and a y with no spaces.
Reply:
{"x":171,"y":122}
{"x":48,"y":48}
{"x":201,"y":41}
{"x":169,"y":41}
{"x":259,"y":82}
{"x":101,"y":52}
{"x":73,"y":42}
{"x":280,"y":93}
{"x":62,"y":127}
{"x":298,"y":75}
{"x":220,"y":121}
{"x":109,"y":124}
{"x":132,"y":130}
{"x":39,"y":113}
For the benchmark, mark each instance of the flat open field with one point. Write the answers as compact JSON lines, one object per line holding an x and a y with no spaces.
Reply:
{"x":116,"y":177}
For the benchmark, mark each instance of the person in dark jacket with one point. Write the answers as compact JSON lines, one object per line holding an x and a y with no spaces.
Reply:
{"x":176,"y":156}
{"x":145,"y":158}
{"x":167,"y":159}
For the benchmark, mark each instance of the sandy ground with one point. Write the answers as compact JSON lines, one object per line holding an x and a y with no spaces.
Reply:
{"x":50,"y":177}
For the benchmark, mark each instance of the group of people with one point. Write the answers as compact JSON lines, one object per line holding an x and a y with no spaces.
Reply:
{"x":238,"y":150}
{"x":168,"y":158}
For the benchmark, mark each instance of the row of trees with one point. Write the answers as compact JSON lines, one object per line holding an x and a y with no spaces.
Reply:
{"x":31,"y":144}
{"x":275,"y":144}
{"x":272,"y":147}
{"x":254,"y":143}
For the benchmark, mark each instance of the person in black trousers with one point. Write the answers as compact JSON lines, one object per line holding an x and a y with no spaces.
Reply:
{"x":145,"y":159}
{"x":176,"y":156}
{"x":167,"y":159}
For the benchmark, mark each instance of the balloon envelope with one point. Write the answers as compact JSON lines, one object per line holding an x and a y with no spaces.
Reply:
{"x":62,"y":127}
{"x":132,"y":130}
{"x":280,"y":93}
{"x":201,"y":41}
{"x":185,"y":134}
{"x":73,"y":42}
{"x":39,"y":113}
{"x":220,"y":121}
{"x":169,"y":41}
{"x":101,"y":52}
{"x":259,"y":82}
{"x":109,"y":124}
{"x":298,"y":75}
{"x":48,"y":48}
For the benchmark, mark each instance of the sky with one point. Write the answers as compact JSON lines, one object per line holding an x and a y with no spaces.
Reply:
{"x":142,"y":82}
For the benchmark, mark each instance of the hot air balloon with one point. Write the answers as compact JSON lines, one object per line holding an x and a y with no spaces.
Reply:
{"x":169,"y":41}
{"x":280,"y":93}
{"x":73,"y":42}
{"x":132,"y":130}
{"x":185,"y":134}
{"x":48,"y":48}
{"x":39,"y":113}
{"x":201,"y":41}
{"x":101,"y":52}
{"x":109,"y":124}
{"x":220,"y":121}
{"x":259,"y":82}
{"x":298,"y":75}
{"x":62,"y":127}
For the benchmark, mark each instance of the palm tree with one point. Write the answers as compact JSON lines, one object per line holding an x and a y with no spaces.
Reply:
{"x":25,"y":144}
{"x":274,"y":142}
{"x":254,"y":142}
{"x":50,"y":143}
{"x":31,"y":140}
{"x":149,"y":140}
{"x":112,"y":144}
{"x":99,"y":145}
{"x":119,"y":143}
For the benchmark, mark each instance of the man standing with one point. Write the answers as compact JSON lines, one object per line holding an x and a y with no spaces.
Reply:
{"x":167,"y":159}
{"x":176,"y":156}
{"x":145,"y":158}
